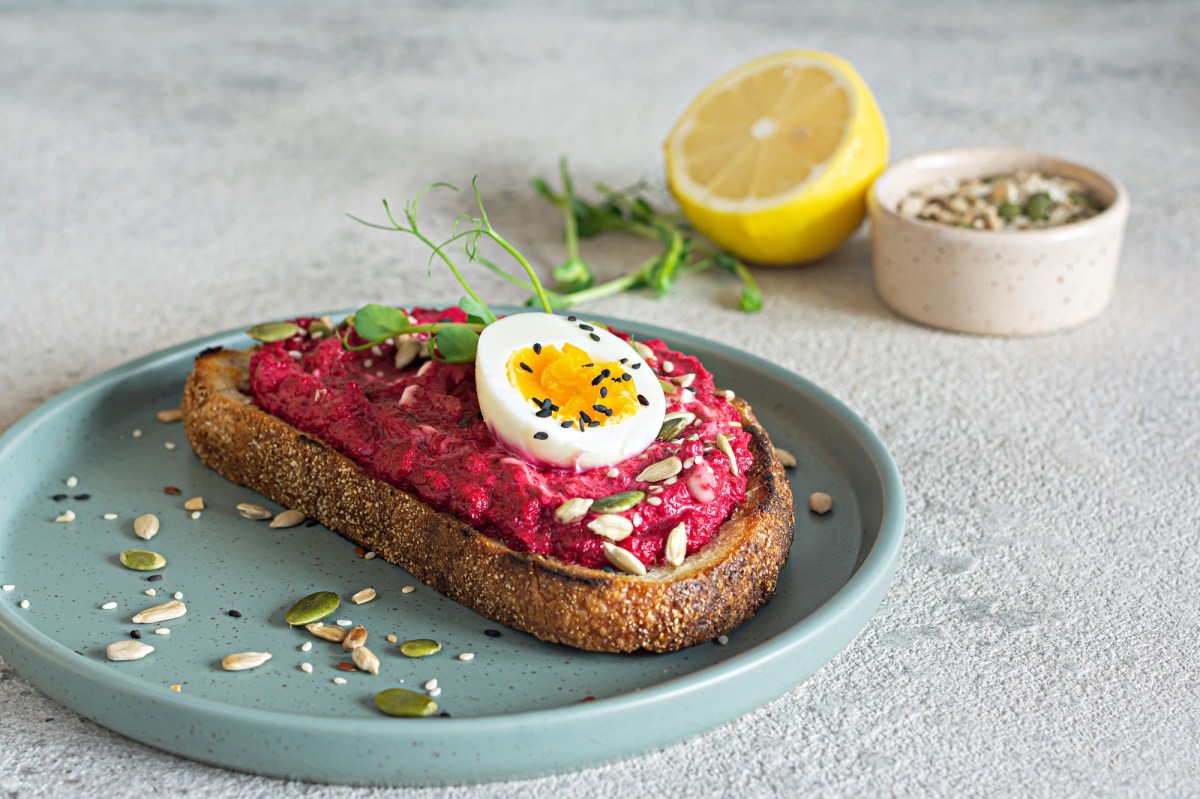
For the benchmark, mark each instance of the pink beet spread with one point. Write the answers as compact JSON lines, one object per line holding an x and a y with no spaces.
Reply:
{"x":419,"y":428}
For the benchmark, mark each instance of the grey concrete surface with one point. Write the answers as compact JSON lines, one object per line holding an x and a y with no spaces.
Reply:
{"x":169,"y":170}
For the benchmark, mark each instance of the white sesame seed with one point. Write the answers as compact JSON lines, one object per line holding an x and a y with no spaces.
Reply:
{"x":465,"y":656}
{"x":65,"y":516}
{"x":344,"y":623}
{"x":368,"y":363}
{"x":729,"y":394}
{"x":670,"y":481}
{"x":431,"y":685}
{"x":110,"y":516}
{"x":688,"y":463}
{"x":377,"y":351}
{"x":722,"y":639}
{"x":408,"y":589}
{"x":339,"y":680}
{"x":435,"y":692}
{"x":379,"y":373}
{"x":296,"y":354}
{"x":653,"y":501}
{"x":24,"y":603}
{"x":137,"y":433}
{"x":668,"y":367}
{"x":306,"y":668}
{"x":195,"y":514}
{"x":614,"y":472}
{"x":150,"y":592}
{"x":177,"y":595}
{"x":108,"y":606}
{"x":168,"y":445}
{"x":72,"y":481}
{"x":163,"y":631}
{"x":369,"y":556}
{"x":391,"y":639}
{"x":8,"y":587}
{"x":306,"y":646}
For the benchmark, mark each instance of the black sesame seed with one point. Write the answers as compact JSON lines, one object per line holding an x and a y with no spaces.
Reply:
{"x":541,"y":436}
{"x":588,"y":365}
{"x":572,"y":318}
{"x":546,"y":403}
{"x":605,"y":373}
{"x":553,"y":407}
{"x":537,"y":348}
{"x":626,"y":377}
{"x":566,"y":424}
{"x":154,"y":578}
{"x":83,"y":496}
{"x":235,"y":613}
{"x":135,"y":633}
{"x":643,"y":400}
{"x":536,"y":401}
{"x":593,"y":424}
{"x":588,"y":328}
{"x":492,"y":633}
{"x":624,"y":360}
{"x":593,"y":337}
{"x":597,"y":379}
{"x":600,"y":408}
{"x":586,"y":419}
{"x":526,"y":367}
{"x":311,"y":523}
{"x":543,"y":413}
{"x":603,"y":392}
{"x":58,"y":497}
{"x":636,"y":366}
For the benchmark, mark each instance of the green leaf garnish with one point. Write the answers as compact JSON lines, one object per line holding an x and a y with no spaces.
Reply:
{"x":456,"y":344}
{"x":378,"y":322}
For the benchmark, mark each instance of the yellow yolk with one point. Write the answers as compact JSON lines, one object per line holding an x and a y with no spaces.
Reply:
{"x":574,"y":383}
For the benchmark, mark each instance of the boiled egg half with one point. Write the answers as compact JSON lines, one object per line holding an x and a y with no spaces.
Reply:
{"x":562,"y":392}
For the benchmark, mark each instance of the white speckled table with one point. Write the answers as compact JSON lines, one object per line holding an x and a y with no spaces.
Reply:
{"x":169,"y":172}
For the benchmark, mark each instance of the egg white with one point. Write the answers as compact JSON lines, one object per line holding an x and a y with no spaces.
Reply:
{"x":511,"y":416}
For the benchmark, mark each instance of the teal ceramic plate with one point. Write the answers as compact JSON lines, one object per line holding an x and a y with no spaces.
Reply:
{"x":519,"y":708}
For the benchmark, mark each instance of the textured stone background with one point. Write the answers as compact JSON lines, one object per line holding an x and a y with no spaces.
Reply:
{"x":169,"y":172}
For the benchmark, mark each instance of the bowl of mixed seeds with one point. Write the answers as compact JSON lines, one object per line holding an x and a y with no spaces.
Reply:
{"x":996,"y":241}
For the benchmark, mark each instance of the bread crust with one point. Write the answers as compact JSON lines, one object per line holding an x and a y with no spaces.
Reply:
{"x":669,"y":608}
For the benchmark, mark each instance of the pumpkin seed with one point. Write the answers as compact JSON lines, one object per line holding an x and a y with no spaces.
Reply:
{"x":142,"y":560}
{"x":623,"y":559}
{"x":240,"y":661}
{"x":289,"y":518}
{"x":676,"y":549}
{"x":404,"y":703}
{"x":615,"y":503}
{"x":313,"y":607}
{"x":661,"y":470}
{"x":642,"y":350}
{"x":723,"y":445}
{"x":128,"y":649}
{"x":365,"y":659}
{"x":668,"y":387}
{"x":146,"y":526}
{"x":420,"y":647}
{"x":248,"y":510}
{"x":1037,"y":207}
{"x":273,"y":331}
{"x":572,"y":510}
{"x":614,"y":528}
{"x":673,"y":424}
{"x":786,"y":458}
{"x":334,"y":634}
{"x":164,"y":612}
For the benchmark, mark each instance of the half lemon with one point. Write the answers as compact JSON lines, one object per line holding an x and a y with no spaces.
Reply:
{"x":773,"y":160}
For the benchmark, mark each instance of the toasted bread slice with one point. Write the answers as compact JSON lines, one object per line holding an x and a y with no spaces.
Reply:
{"x":669,"y":608}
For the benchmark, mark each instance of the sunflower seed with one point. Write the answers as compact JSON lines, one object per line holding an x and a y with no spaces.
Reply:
{"x":289,"y":518}
{"x":334,"y":634}
{"x":142,"y":560}
{"x":365,"y":659}
{"x":786,"y":458}
{"x":312,"y":608}
{"x":616,"y":503}
{"x":614,"y":528}
{"x":723,"y":445}
{"x":661,"y":470}
{"x":164,"y":612}
{"x":128,"y":649}
{"x":420,"y":647}
{"x":685,"y":380}
{"x":195,"y":503}
{"x":404,"y":703}
{"x":676,"y":549}
{"x":820,"y":503}
{"x":572,"y":510}
{"x":240,"y":661}
{"x":642,"y":350}
{"x":146,"y":526}
{"x":354,"y":638}
{"x":248,"y":510}
{"x":169,"y":415}
{"x":623,"y":559}
{"x":365,"y":595}
{"x":407,"y":350}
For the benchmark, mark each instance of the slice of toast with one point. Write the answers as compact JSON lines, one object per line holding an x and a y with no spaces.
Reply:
{"x":669,"y":608}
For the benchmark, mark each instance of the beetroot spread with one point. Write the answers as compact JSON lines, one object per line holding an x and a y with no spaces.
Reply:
{"x":419,"y":428}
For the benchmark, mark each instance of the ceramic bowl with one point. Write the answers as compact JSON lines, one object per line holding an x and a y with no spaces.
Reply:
{"x":1005,"y":283}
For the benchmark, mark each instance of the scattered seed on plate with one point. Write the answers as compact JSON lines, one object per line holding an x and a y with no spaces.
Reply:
{"x":195,"y":514}
{"x":339,"y":680}
{"x":288,"y":518}
{"x":465,"y":656}
{"x":408,"y":589}
{"x":24,"y":604}
{"x":820,"y":503}
{"x":169,"y":415}
{"x":492,"y":633}
{"x":137,"y":432}
{"x":334,"y":634}
{"x":344,"y":623}
{"x":65,"y":516}
{"x":135,"y":633}
{"x":306,"y":646}
{"x":306,"y":668}
{"x":163,"y":631}
{"x":237,"y":614}
{"x":312,"y":608}
{"x":420,"y":647}
{"x":169,"y":445}
{"x":363,"y":596}
{"x":404,"y":703}
{"x":172,"y":491}
{"x":354,"y":638}
{"x":248,"y":510}
{"x":431,"y":684}
{"x":195,"y":503}
{"x":72,"y":481}
{"x":365,"y":659}
{"x":722,"y":639}
{"x":154,"y":578}
{"x":391,"y":639}
{"x":345,"y":665}
{"x":786,"y":458}
{"x":8,"y":587}
{"x":150,"y":592}
{"x":127,"y":649}
{"x":146,"y":526}
{"x":176,"y":687}
{"x":369,"y":556}
{"x":109,"y":516}
{"x":109,"y":606}
{"x":436,"y":692}
{"x":177,"y":595}
{"x":164,"y":612}
{"x":142,"y":560}
{"x":240,"y":661}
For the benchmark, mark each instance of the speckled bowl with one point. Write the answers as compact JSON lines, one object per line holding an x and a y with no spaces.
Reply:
{"x":1005,"y":283}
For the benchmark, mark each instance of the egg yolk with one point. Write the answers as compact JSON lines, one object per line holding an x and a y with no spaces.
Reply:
{"x":570,"y":386}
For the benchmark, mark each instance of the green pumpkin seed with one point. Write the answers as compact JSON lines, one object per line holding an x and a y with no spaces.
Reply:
{"x":405,"y":703}
{"x":420,"y":647}
{"x":673,"y":424}
{"x":142,"y":560}
{"x":668,"y":387}
{"x":313,"y":607}
{"x":1037,"y":207}
{"x":1009,"y":211}
{"x":273,"y":331}
{"x":615,"y":503}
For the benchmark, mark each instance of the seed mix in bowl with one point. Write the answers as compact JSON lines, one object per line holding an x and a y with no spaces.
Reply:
{"x":1021,"y":200}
